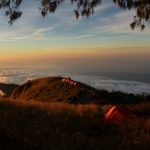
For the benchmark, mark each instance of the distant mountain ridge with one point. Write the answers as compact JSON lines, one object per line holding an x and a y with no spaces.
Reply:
{"x":54,"y":89}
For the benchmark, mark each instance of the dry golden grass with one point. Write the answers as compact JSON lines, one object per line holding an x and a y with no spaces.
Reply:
{"x":54,"y":126}
{"x":141,"y":109}
{"x":55,"y":107}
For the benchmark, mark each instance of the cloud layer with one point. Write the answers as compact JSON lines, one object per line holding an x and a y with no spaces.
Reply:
{"x":114,"y":85}
{"x":100,"y":82}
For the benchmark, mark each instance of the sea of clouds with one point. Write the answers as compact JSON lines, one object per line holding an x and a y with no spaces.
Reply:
{"x":19,"y":76}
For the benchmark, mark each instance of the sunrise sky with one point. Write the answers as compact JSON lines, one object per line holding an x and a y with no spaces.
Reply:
{"x":103,"y":42}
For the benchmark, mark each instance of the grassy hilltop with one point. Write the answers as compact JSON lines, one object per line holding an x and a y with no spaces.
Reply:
{"x":40,"y":115}
{"x":53,"y":89}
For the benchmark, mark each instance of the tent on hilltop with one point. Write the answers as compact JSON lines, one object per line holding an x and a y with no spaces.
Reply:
{"x":117,"y":115}
{"x":70,"y":81}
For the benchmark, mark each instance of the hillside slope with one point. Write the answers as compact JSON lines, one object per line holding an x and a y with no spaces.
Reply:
{"x":34,"y":125}
{"x":53,"y":89}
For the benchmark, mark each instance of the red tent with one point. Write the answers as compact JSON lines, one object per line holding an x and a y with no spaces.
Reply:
{"x":68,"y":80}
{"x":117,"y":114}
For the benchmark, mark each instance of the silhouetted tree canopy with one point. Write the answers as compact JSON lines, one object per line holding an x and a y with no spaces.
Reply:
{"x":83,"y":8}
{"x":142,"y":11}
{"x":12,"y":9}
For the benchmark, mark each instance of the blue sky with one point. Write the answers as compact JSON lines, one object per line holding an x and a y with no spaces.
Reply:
{"x":108,"y":22}
{"x":59,"y":36}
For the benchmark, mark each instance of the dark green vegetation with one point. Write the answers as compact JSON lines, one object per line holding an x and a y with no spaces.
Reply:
{"x":33,"y":121}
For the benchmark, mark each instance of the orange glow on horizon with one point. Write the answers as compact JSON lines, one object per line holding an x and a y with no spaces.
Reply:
{"x":71,"y":53}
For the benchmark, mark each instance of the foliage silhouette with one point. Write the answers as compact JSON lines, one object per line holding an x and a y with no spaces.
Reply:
{"x":83,"y":8}
{"x":142,"y":11}
{"x":12,"y":9}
